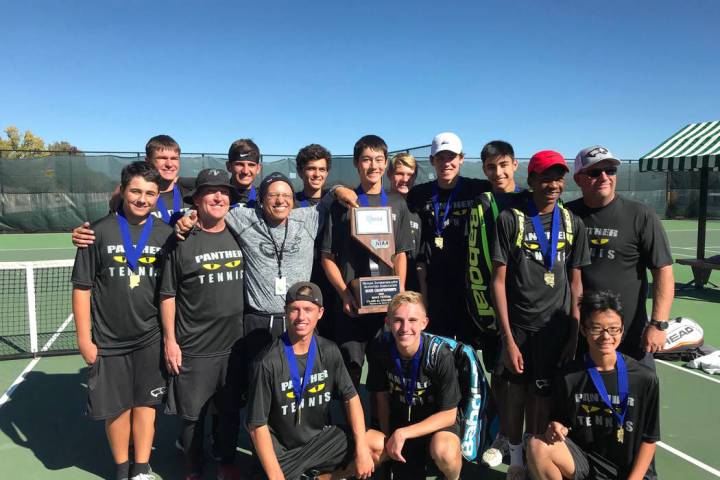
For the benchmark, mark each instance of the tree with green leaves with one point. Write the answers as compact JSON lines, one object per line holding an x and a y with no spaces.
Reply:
{"x":29,"y":145}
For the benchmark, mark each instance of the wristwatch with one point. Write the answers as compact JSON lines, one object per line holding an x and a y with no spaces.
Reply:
{"x":660,"y":325}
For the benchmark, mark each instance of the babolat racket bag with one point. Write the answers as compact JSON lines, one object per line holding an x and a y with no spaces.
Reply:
{"x":474,"y":391}
{"x":683,"y":341}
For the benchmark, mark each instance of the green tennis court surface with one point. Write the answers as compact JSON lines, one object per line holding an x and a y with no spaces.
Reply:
{"x":44,"y":434}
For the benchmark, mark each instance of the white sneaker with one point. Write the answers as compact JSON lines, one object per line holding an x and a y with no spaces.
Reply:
{"x":144,"y":476}
{"x":516,"y":472}
{"x":493,"y":456}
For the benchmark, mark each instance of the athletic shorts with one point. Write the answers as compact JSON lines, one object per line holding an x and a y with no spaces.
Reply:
{"x":117,"y":383}
{"x":202,"y":378}
{"x":417,"y":453}
{"x":590,"y":467}
{"x":541,"y":354}
{"x":328,"y":451}
{"x":354,"y":334}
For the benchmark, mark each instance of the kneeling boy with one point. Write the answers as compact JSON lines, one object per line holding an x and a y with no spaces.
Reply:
{"x":293,"y":381}
{"x":116,"y":314}
{"x":416,"y":399}
{"x":605,"y":421}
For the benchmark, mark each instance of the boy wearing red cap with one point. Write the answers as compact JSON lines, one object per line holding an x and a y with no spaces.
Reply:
{"x":538,"y":251}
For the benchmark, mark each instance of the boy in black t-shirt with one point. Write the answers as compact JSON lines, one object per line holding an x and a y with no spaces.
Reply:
{"x":163,"y":153}
{"x":605,"y":407}
{"x":417,"y":395}
{"x":537,"y":255}
{"x":344,"y":258}
{"x":116,"y":315}
{"x":442,"y":205}
{"x":294,"y":380}
{"x":244,"y":164}
{"x":202,"y":307}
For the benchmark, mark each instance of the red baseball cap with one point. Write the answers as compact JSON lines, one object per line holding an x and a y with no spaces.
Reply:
{"x":545,"y":159}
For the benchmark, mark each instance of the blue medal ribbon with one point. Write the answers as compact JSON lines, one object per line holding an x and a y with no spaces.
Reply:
{"x":177,"y":205}
{"x":302,"y":198}
{"x":298,"y":387}
{"x":623,"y":389}
{"x":363,"y":198}
{"x":408,"y":383}
{"x":132,"y":254}
{"x":251,"y":201}
{"x":549,"y":252}
{"x":440,"y":222}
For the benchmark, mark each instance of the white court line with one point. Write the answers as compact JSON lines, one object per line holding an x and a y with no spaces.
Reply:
{"x":21,"y":378}
{"x":687,"y":370}
{"x":692,"y":230}
{"x":693,"y":248}
{"x":690,"y":459}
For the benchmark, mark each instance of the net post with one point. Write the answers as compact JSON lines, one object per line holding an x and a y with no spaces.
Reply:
{"x":32,"y":313}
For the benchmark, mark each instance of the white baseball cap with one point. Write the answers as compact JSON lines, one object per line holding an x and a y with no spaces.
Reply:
{"x":587,"y":157}
{"x":445,"y":141}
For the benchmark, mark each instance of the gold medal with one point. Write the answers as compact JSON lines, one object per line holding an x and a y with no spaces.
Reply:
{"x":549,"y":278}
{"x":620,"y":434}
{"x":439,"y":242}
{"x":134,"y":280}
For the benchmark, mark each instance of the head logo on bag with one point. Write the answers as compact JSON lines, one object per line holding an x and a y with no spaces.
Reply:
{"x":683,"y":341}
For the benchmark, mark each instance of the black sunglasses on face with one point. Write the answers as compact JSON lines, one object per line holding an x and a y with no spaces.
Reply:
{"x":596,"y":172}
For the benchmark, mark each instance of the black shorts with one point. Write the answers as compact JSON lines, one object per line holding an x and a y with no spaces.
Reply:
{"x":488,"y":342}
{"x":202,"y":378}
{"x":417,"y":453}
{"x":329,"y":451}
{"x":117,"y":383}
{"x":354,"y":334}
{"x":448,"y":314}
{"x":541,"y":354}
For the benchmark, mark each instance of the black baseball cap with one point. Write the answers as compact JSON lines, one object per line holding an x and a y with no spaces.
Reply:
{"x":315,"y":296}
{"x":213,"y":177}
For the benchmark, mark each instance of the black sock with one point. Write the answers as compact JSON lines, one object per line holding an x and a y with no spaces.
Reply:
{"x":123,"y":471}
{"x":139,"y":468}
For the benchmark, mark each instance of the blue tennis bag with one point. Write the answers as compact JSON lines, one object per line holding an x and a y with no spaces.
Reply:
{"x":474,"y":390}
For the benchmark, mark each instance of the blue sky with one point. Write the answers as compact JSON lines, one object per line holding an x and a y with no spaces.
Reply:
{"x":561,"y":75}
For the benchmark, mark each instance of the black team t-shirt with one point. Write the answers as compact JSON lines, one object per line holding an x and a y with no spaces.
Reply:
{"x":350,"y":256}
{"x":205,"y":275}
{"x":185,"y":185}
{"x":436,"y":390}
{"x":577,"y":404}
{"x":271,"y":399}
{"x":531,"y":302}
{"x":413,"y":282}
{"x":124,"y":307}
{"x":626,"y":239}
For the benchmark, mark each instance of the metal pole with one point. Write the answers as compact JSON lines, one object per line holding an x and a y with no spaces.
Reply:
{"x":702,"y":214}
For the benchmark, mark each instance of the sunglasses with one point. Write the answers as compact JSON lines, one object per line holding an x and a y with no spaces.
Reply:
{"x":596,"y":172}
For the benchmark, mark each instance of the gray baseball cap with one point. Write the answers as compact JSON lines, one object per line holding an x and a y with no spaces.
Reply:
{"x":587,"y":157}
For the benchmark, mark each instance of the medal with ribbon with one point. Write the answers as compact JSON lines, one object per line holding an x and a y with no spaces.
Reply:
{"x":623,"y":391}
{"x":440,"y":222}
{"x":299,"y":387}
{"x":548,"y":249}
{"x":167,"y":217}
{"x":363,"y":198}
{"x":133,"y":253}
{"x":408,"y":383}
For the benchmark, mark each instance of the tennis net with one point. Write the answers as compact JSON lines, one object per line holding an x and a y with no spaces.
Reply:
{"x":36,"y":309}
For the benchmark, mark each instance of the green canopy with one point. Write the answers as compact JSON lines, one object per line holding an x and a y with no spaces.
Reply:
{"x":694,"y":147}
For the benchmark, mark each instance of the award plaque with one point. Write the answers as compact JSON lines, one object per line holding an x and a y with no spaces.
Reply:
{"x":372,"y":227}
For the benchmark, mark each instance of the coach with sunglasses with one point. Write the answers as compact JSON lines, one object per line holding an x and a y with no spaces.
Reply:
{"x":626,"y":239}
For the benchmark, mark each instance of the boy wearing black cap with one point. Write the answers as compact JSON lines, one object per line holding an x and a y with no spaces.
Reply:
{"x":537,"y":254}
{"x":289,"y":402}
{"x":201,"y":312}
{"x":605,"y":419}
{"x":116,"y":315}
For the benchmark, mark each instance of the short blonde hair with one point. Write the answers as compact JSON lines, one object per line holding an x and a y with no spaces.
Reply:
{"x":403,"y":298}
{"x":405,"y":159}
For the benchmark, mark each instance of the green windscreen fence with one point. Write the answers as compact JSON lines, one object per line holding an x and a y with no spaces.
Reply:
{"x":56,"y":193}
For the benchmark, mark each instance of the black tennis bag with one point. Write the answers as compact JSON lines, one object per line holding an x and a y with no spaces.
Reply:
{"x":684,"y":341}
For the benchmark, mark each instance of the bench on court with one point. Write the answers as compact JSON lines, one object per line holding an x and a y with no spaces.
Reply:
{"x":701,"y":269}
